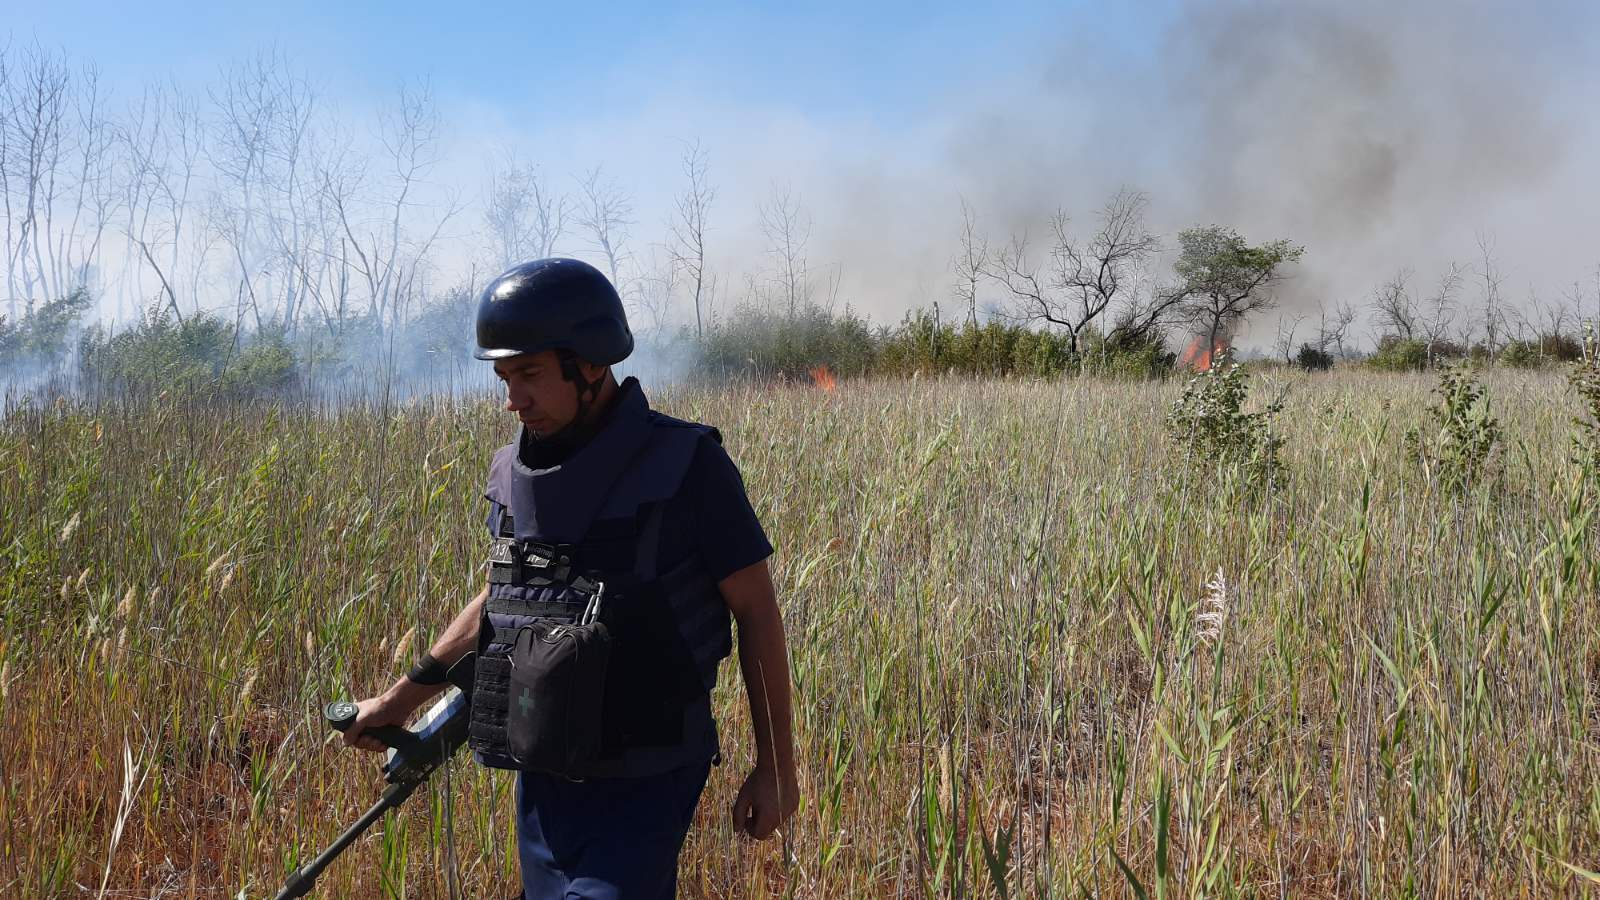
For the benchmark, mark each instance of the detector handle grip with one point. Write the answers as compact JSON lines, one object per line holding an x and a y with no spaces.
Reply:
{"x":341,"y":714}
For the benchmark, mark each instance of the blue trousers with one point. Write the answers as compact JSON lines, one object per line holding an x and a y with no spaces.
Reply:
{"x":605,"y":838}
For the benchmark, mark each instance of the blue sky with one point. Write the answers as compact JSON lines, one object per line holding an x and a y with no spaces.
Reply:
{"x":890,"y":59}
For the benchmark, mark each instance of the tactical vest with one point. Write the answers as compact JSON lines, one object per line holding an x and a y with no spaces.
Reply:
{"x":597,"y":518}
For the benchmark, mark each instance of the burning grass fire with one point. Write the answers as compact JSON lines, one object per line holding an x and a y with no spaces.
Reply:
{"x":823,"y":378}
{"x":1197,"y":357}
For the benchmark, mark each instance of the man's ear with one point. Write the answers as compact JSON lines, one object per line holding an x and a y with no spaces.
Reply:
{"x":592,"y":372}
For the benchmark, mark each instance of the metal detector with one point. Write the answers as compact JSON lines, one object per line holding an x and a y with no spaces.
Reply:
{"x":413,"y":755}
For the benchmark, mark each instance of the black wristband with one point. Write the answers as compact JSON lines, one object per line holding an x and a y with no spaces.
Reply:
{"x":427,"y":671}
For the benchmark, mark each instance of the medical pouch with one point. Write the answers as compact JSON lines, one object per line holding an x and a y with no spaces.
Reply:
{"x":555,"y":695}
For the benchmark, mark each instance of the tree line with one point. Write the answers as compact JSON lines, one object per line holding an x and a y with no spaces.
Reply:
{"x":253,"y":203}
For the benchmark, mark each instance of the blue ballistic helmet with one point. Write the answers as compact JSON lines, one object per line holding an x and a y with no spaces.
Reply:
{"x":553,"y":304}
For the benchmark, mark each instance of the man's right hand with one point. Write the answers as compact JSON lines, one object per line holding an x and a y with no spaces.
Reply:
{"x":387,"y":709}
{"x":395,"y":706}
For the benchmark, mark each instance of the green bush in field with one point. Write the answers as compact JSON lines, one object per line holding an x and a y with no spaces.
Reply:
{"x":40,"y":335}
{"x":1463,"y":449}
{"x":199,"y":354}
{"x":1397,"y":355}
{"x":1133,"y":359}
{"x":263,"y":367}
{"x":1209,"y":422}
{"x":1313,"y":359}
{"x":760,"y":343}
{"x":1521,"y":355}
{"x":1585,"y":379}
{"x":767,"y":344}
{"x":923,"y":344}
{"x":159,"y":353}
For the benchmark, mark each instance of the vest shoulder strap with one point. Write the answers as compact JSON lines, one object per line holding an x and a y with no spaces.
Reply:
{"x":662,"y":420}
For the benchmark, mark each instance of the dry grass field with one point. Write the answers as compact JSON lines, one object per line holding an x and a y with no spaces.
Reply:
{"x":1036,"y":654}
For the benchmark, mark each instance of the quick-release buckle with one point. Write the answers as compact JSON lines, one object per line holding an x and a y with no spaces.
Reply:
{"x":542,"y":556}
{"x":515,"y":561}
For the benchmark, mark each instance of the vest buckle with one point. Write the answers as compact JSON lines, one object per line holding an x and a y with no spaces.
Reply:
{"x":536,"y":558}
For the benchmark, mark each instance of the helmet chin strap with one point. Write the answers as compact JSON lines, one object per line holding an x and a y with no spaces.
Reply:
{"x":588,"y":392}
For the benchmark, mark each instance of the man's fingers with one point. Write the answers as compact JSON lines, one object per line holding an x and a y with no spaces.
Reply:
{"x":742,"y":812}
{"x":765,"y":822}
{"x":357,"y":737}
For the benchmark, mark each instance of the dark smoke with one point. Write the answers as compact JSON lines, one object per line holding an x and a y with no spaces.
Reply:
{"x":1377,"y":135}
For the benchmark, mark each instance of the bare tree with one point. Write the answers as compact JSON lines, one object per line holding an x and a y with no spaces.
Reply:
{"x":524,"y":216}
{"x":34,"y":121}
{"x":293,"y":223}
{"x":787,"y":227}
{"x":247,"y":104}
{"x":550,"y":214}
{"x":1553,"y":319}
{"x":340,"y":181}
{"x":1438,"y":311}
{"x":1548,"y":321}
{"x":1283,"y":343}
{"x":145,"y":149}
{"x":606,"y":211}
{"x":382,"y":252}
{"x":1333,"y":327}
{"x":267,"y":204}
{"x":1596,"y":296}
{"x":77,"y":247}
{"x":971,"y":262}
{"x":1083,"y":280}
{"x":688,"y":229}
{"x":57,"y":188}
{"x":1493,"y":305}
{"x":7,"y":114}
{"x":656,"y":288}
{"x":1395,"y":310}
{"x":160,"y":142}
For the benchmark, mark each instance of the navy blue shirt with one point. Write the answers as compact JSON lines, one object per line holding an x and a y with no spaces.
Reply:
{"x":712,"y":516}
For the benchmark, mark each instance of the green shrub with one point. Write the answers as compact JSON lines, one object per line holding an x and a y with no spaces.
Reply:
{"x":1133,"y":359}
{"x":264,"y":367}
{"x":759,"y":343}
{"x":1521,"y":355}
{"x":158,"y":353}
{"x":1313,"y":359}
{"x":1210,"y":425}
{"x":1398,"y":355}
{"x":1040,"y":354}
{"x":1585,"y":379}
{"x":1561,"y":347}
{"x":40,"y":335}
{"x":200,"y":354}
{"x":765,"y":344}
{"x":1463,"y":448}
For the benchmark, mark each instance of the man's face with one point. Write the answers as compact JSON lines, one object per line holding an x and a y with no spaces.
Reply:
{"x":536,"y":392}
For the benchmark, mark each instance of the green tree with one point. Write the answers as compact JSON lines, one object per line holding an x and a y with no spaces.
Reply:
{"x":1223,"y":279}
{"x":40,"y":335}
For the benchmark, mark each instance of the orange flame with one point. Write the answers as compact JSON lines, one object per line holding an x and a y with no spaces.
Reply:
{"x":822,"y":378}
{"x":1198,"y":357}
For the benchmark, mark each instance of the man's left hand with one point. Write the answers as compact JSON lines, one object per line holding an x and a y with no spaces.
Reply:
{"x":765,"y":802}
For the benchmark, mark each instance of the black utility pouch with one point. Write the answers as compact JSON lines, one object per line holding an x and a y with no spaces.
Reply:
{"x":555,"y":693}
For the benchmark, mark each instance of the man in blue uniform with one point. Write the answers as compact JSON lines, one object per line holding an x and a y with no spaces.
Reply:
{"x":641,"y":522}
